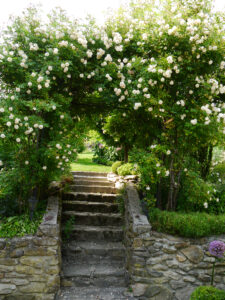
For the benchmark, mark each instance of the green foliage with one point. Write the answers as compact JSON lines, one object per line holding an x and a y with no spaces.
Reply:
{"x":163,"y":84}
{"x":120,"y":202}
{"x":104,"y":154}
{"x":197,"y":194}
{"x":126,"y":169}
{"x":193,"y":225}
{"x":85,"y":163}
{"x":115,"y":166}
{"x":68,"y":227}
{"x":207,"y":293}
{"x":20,"y":225}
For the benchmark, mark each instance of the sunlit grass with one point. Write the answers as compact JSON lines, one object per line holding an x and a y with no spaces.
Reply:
{"x":85,"y":163}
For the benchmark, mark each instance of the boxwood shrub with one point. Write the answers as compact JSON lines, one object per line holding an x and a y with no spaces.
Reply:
{"x":116,"y":165}
{"x":207,"y":293}
{"x":192,"y":225}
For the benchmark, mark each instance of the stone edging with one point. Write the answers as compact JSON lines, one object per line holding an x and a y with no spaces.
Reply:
{"x":161,"y":266}
{"x":30,"y":265}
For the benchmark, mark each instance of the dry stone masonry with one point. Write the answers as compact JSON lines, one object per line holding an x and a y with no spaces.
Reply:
{"x":164,"y":267}
{"x":105,"y":252}
{"x":30,"y":265}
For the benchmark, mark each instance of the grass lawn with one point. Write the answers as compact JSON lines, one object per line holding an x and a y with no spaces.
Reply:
{"x":85,"y":163}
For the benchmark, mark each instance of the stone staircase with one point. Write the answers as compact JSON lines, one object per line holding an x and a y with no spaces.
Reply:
{"x":93,"y":258}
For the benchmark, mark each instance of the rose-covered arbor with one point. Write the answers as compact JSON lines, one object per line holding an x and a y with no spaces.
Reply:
{"x":162,"y":65}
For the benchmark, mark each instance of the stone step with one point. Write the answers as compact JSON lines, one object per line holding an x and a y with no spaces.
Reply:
{"x":93,"y":249}
{"x":93,"y":189}
{"x":85,"y":206}
{"x":93,"y":182}
{"x":81,"y":259}
{"x":94,"y":293}
{"x":90,"y":174}
{"x":97,"y":233}
{"x":99,"y":275}
{"x":90,"y":197}
{"x":94,"y":219}
{"x":91,"y":178}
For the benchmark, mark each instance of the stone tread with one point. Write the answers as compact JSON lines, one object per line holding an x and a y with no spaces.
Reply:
{"x":86,"y":206}
{"x":94,"y":218}
{"x":90,"y":174}
{"x":89,"y":196}
{"x":92,"y":271}
{"x":93,"y":233}
{"x":93,"y":188}
{"x":93,"y":250}
{"x":97,"y":228}
{"x":93,"y":183}
{"x":94,"y":246}
{"x":90,"y":178}
{"x":93,"y":293}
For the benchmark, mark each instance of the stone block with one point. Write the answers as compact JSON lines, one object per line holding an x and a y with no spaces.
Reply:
{"x":139,"y":289}
{"x":33,"y":287}
{"x":177,"y":284}
{"x":158,"y":292}
{"x":181,"y":257}
{"x":28,"y":270}
{"x":16,"y":253}
{"x":193,"y":253}
{"x":2,"y":244}
{"x":6,"y":288}
{"x":45,"y":241}
{"x":20,"y":297}
{"x":8,"y":261}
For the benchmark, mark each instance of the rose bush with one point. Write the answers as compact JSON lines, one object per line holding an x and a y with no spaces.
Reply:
{"x":162,"y":63}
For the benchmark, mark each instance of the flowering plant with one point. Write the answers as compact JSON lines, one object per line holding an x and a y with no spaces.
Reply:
{"x":217,"y":249}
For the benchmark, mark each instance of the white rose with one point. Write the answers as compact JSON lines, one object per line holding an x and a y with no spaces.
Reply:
{"x":194,"y":121}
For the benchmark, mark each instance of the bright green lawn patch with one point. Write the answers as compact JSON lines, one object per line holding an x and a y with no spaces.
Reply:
{"x":193,"y":225}
{"x":85,"y":163}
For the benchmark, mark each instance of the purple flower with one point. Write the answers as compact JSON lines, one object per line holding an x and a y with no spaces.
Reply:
{"x":217,"y":248}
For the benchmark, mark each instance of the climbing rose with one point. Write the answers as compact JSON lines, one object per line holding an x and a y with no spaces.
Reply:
{"x":217,"y":248}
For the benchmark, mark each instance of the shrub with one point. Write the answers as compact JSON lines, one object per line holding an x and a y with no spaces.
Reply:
{"x":116,"y":165}
{"x":199,"y":195}
{"x":193,"y":225}
{"x":207,"y":292}
{"x":105,"y":155}
{"x":126,"y":169}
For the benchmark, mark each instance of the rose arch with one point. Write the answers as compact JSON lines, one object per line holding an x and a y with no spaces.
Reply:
{"x":154,"y":76}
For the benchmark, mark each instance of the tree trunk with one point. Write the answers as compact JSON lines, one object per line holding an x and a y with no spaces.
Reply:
{"x":159,"y":195}
{"x":205,"y":158}
{"x":126,"y":152}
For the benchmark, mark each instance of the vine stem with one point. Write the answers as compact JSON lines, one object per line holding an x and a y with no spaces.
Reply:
{"x":213,"y":271}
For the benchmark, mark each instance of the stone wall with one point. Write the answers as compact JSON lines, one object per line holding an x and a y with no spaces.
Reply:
{"x":30,"y":265}
{"x":164,"y":267}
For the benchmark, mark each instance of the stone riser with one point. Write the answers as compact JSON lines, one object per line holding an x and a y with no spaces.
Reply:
{"x":81,"y":206}
{"x":94,"y":219}
{"x":93,"y":189}
{"x":104,"y":281}
{"x":97,"y":234}
{"x":89,"y":197}
{"x":85,"y":259}
{"x":93,"y":182}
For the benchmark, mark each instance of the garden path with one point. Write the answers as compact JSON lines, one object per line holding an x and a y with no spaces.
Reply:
{"x":93,"y":257}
